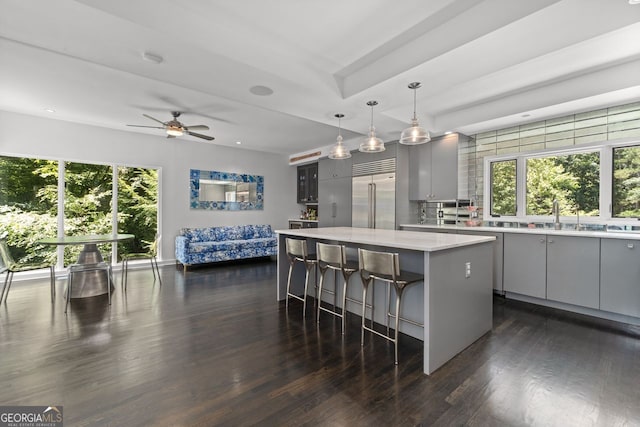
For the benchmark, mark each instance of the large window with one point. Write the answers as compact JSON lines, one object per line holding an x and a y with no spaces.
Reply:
{"x":602,"y":183}
{"x":573,"y":180}
{"x":28,"y":206}
{"x":29,"y":191}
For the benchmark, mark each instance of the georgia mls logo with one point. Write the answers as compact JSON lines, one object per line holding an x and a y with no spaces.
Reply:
{"x":31,"y":416}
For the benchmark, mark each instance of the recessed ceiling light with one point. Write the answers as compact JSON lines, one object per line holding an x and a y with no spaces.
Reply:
{"x":261,"y":90}
{"x":49,"y":110}
{"x":238,"y":142}
{"x":526,"y":115}
{"x":152,"y":57}
{"x":634,"y":1}
{"x":448,"y":132}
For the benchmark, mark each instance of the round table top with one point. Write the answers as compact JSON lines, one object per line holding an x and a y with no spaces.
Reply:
{"x":87,"y":239}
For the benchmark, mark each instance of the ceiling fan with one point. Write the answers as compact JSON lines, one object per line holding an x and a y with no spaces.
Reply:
{"x":174,"y":128}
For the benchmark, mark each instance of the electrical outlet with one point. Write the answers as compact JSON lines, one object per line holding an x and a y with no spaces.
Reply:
{"x":467,"y":270}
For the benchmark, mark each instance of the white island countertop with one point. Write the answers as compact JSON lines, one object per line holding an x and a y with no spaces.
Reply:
{"x":412,"y":240}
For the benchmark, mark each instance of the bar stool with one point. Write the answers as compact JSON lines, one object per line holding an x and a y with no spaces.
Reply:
{"x":82,"y":268}
{"x":334,"y":257}
{"x":297,"y":252}
{"x":385,"y":266}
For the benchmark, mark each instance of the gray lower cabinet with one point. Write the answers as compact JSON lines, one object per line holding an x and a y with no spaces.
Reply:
{"x":525,"y":259}
{"x":573,"y":273}
{"x":620,"y":276}
{"x":498,"y":253}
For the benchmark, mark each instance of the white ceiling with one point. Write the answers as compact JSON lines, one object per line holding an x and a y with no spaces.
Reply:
{"x":483,"y":64}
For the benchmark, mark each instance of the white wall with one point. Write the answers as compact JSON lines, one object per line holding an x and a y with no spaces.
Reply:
{"x":30,"y":136}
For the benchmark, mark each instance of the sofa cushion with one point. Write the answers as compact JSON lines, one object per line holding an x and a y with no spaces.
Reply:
{"x":206,"y":234}
{"x":231,"y":245}
{"x":229,"y":232}
{"x":257,"y":231}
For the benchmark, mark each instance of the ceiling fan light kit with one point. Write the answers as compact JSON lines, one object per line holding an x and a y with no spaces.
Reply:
{"x":372,"y":144}
{"x":415,"y":134}
{"x":339,"y":151}
{"x":174,"y":128}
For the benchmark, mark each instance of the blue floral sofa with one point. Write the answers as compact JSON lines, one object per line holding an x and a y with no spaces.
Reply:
{"x":213,"y":244}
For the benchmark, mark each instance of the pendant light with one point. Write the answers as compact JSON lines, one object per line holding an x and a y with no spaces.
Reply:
{"x":339,"y":151}
{"x":415,"y":134}
{"x":372,"y":144}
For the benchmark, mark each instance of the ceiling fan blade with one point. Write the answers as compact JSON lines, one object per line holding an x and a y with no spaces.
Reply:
{"x":141,"y":126}
{"x":154,"y":119}
{"x":197,"y":127}
{"x":199,"y":135}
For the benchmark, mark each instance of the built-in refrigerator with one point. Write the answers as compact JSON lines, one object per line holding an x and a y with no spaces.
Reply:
{"x":374,"y":201}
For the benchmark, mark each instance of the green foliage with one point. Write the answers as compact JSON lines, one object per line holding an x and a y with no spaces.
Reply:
{"x":548,"y":181}
{"x":29,"y":197}
{"x":626,"y":182}
{"x":503,"y":193}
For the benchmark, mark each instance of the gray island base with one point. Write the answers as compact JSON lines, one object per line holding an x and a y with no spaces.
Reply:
{"x":454,"y":303}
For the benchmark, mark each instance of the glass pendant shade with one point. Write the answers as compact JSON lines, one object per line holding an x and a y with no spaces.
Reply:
{"x":415,"y":134}
{"x":339,"y":151}
{"x":372,"y":144}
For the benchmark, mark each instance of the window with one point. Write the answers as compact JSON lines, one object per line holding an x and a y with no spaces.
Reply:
{"x":599,"y":182}
{"x":29,"y":190}
{"x":626,"y":182}
{"x":28,"y":206}
{"x":503,"y":187}
{"x":573,"y":180}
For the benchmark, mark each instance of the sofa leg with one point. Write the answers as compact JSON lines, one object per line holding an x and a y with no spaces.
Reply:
{"x":184,"y":266}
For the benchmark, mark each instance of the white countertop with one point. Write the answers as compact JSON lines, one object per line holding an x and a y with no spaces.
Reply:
{"x":547,"y":231}
{"x":412,"y":240}
{"x":303,"y":220}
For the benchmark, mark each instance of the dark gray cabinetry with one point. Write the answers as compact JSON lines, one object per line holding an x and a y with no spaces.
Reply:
{"x":525,"y":259}
{"x":573,"y":271}
{"x":620,"y":276}
{"x":433,"y":169}
{"x":308,"y":183}
{"x":334,"y":193}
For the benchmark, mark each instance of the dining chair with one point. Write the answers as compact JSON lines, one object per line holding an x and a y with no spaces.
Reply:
{"x":8,"y":264}
{"x":151,"y":255}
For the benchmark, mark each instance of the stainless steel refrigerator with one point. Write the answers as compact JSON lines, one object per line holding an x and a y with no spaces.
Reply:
{"x":374,"y":201}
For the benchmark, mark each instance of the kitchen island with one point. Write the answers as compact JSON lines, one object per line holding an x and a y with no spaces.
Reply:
{"x":454,"y":302}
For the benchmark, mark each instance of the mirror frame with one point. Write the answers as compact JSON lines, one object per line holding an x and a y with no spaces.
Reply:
{"x":221,"y":205}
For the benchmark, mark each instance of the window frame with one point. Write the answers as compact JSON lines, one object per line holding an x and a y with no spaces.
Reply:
{"x":605,"y":188}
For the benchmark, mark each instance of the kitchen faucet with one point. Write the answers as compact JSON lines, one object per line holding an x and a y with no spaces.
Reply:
{"x":555,"y":210}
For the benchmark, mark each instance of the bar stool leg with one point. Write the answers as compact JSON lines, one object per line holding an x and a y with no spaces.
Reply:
{"x":398,"y":298}
{"x":365,"y":285}
{"x":286,"y":304}
{"x":306,"y":286}
{"x":345,"y":276}
{"x":320,"y":285}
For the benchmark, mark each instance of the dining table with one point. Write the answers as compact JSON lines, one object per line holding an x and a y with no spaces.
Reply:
{"x":89,"y":283}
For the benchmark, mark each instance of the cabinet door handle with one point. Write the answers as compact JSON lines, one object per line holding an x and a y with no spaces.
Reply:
{"x":630,"y":245}
{"x":550,"y":241}
{"x":542,"y":240}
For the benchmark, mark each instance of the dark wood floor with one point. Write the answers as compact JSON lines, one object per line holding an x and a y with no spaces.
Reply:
{"x":215,"y":348}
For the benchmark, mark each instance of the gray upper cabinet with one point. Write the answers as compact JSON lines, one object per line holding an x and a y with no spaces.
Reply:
{"x":525,"y":259}
{"x":573,"y":273}
{"x":620,"y":276}
{"x":433,"y":169}
{"x":329,"y":169}
{"x":334,"y":193}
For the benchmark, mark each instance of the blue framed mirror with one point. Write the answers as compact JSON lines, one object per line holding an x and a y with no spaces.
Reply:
{"x":226,"y":191}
